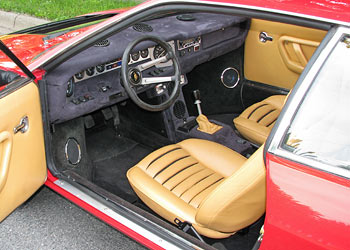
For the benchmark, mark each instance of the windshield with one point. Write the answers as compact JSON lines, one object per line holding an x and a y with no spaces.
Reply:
{"x":30,"y":44}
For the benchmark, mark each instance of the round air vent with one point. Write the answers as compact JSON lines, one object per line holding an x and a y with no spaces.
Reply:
{"x":179,"y":109}
{"x":72,"y":151}
{"x":102,"y":43}
{"x":142,"y":27}
{"x":186,"y":17}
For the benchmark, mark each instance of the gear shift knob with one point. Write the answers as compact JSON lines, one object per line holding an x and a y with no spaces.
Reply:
{"x":197,"y":95}
{"x":197,"y":100}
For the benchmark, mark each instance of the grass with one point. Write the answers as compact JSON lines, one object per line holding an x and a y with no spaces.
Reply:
{"x":62,"y":9}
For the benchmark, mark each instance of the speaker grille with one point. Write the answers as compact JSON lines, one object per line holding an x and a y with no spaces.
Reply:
{"x":179,"y":109}
{"x":102,"y":43}
{"x":73,"y":152}
{"x":142,"y":27}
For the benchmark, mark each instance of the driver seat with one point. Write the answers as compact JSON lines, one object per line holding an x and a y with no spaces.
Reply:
{"x":203,"y":183}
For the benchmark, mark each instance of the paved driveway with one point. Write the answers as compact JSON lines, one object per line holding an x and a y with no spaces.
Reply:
{"x":49,"y":221}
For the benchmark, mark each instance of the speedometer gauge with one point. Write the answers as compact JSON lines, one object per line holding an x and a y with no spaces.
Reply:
{"x":159,"y":51}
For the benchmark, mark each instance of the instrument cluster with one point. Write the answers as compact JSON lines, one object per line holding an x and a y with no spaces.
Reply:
{"x":136,"y":57}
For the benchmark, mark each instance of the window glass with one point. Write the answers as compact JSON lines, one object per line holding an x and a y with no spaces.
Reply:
{"x":320,"y":129}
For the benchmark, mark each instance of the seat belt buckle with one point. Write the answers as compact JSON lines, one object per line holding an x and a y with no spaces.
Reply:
{"x":184,"y":226}
{"x":187,"y":227}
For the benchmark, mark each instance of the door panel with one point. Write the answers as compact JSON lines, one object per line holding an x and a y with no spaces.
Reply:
{"x":279,"y":62}
{"x":22,"y":155}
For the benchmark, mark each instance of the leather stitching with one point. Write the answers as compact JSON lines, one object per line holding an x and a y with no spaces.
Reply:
{"x":187,"y":178}
{"x":220,"y":179}
{"x":194,"y":184}
{"x":265,"y":115}
{"x":184,"y":157}
{"x":179,"y":172}
{"x":256,"y":110}
{"x":157,"y":158}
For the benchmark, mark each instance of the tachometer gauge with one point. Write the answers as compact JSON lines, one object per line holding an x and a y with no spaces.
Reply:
{"x":144,"y":53}
{"x":135,"y":56}
{"x":79,"y":75}
{"x":90,"y":71}
{"x":159,"y":51}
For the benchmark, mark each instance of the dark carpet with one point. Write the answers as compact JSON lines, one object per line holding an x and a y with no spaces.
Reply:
{"x":112,"y":156}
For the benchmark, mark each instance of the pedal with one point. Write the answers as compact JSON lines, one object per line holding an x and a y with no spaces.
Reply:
{"x":107,"y":113}
{"x":89,"y":121}
{"x":116,"y":117}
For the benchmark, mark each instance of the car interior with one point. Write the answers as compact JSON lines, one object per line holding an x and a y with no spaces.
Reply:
{"x":169,"y":116}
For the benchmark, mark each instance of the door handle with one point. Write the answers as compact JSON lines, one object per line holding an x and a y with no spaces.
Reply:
{"x":22,"y":126}
{"x":264,"y":37}
{"x":5,"y":155}
{"x":299,"y":64}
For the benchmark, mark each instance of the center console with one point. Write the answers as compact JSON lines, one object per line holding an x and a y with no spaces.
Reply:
{"x":181,"y":126}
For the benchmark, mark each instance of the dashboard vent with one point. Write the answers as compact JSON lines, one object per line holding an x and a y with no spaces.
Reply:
{"x":102,"y":43}
{"x":186,"y":17}
{"x":142,"y":27}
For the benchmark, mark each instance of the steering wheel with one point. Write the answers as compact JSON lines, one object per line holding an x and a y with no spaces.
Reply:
{"x":132,"y":75}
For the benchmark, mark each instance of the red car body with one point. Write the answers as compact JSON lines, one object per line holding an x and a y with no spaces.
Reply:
{"x":306,"y":208}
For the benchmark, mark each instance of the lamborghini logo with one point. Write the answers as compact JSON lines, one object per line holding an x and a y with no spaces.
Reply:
{"x":135,"y":76}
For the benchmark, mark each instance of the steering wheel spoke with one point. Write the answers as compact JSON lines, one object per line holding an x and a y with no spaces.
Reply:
{"x":152,"y":80}
{"x":152,"y":63}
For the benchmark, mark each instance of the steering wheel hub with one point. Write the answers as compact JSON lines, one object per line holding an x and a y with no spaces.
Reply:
{"x":135,"y":77}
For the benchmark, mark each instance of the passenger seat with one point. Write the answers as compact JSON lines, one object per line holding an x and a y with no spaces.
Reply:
{"x":256,"y":122}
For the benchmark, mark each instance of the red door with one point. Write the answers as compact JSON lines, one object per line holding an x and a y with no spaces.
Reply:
{"x":308,"y":156}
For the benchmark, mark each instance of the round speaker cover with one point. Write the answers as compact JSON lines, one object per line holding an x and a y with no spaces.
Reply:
{"x":230,"y":77}
{"x":72,"y":151}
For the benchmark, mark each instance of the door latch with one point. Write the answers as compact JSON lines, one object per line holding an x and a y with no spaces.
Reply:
{"x":264,"y":37}
{"x":22,"y":126}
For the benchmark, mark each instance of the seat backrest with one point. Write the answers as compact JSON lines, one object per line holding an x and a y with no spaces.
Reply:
{"x":239,"y":200}
{"x":256,"y":122}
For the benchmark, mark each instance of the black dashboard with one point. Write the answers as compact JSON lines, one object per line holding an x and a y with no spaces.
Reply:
{"x":91,"y":79}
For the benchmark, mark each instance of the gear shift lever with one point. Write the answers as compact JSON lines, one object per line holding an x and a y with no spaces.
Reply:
{"x":204,"y":125}
{"x":197,"y":100}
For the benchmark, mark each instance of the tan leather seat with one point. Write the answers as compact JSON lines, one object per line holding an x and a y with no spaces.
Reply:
{"x":204,"y":183}
{"x":256,"y":122}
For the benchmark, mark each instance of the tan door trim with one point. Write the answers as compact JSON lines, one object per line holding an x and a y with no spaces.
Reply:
{"x":298,"y":64}
{"x":6,"y":140}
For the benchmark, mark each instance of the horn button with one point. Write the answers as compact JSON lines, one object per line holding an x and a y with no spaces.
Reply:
{"x":135,"y":77}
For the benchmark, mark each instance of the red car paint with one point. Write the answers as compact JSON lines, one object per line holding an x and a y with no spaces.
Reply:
{"x":28,"y":47}
{"x":305,"y":207}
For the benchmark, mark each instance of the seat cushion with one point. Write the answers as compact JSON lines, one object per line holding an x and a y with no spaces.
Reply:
{"x":174,"y":180}
{"x":256,"y":122}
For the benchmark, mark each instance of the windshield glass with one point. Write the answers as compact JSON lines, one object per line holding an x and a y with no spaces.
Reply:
{"x":30,"y":44}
